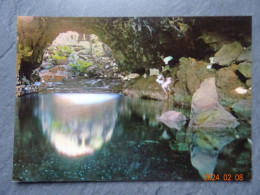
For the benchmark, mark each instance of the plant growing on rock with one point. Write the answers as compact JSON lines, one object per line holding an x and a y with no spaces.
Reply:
{"x":79,"y":66}
{"x":62,"y":53}
{"x":57,"y":57}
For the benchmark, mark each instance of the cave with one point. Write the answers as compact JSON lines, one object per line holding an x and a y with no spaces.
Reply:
{"x":132,"y":99}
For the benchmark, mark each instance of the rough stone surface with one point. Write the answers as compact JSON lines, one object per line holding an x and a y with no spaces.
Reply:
{"x":115,"y":8}
{"x":146,"y":88}
{"x":172,"y":119}
{"x":226,"y":82}
{"x":228,"y":53}
{"x":206,"y":110}
{"x":242,"y":109}
{"x":188,"y":78}
{"x":245,"y":69}
{"x":246,"y":55}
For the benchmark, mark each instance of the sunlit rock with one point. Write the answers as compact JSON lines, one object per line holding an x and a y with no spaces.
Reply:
{"x":206,"y":110}
{"x":173,"y":119}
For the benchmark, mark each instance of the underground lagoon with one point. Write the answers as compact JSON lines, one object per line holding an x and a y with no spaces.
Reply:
{"x":133,"y":99}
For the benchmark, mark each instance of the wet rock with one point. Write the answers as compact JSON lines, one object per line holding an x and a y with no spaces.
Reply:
{"x":228,"y":54}
{"x":206,"y":111}
{"x":246,"y":56}
{"x":242,"y":109}
{"x":173,"y":119}
{"x":98,"y":83}
{"x":245,"y":69}
{"x":205,"y":147}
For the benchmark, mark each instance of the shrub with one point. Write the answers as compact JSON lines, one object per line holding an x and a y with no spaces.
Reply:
{"x":79,"y":66}
{"x":61,"y":53}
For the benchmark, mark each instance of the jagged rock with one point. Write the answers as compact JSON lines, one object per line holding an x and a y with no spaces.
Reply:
{"x":242,"y":109}
{"x":245,"y":69}
{"x":173,"y":119}
{"x":228,"y":54}
{"x":205,"y":109}
{"x":246,"y":56}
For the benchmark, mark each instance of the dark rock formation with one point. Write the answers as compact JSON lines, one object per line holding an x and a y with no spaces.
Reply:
{"x":136,"y":43}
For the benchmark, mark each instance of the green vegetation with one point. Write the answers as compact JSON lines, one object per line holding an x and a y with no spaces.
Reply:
{"x":65,"y":49}
{"x":79,"y":66}
{"x":62,"y":53}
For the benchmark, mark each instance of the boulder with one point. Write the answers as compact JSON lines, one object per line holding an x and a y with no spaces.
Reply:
{"x":227,"y":81}
{"x":146,"y":88}
{"x":227,"y":54}
{"x":246,"y":56}
{"x":242,"y":109}
{"x":189,"y":75}
{"x":206,"y":111}
{"x":245,"y":69}
{"x":173,"y":119}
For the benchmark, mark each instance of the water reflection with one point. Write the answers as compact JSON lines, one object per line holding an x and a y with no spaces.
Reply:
{"x":78,"y":124}
{"x":118,"y":139}
{"x":205,"y":147}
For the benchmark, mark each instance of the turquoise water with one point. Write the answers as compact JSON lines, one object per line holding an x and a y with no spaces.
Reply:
{"x":108,"y":137}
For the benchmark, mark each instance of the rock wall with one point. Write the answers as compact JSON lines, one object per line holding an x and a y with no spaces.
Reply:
{"x":136,"y":43}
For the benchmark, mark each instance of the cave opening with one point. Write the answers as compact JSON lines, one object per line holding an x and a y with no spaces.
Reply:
{"x":73,"y":54}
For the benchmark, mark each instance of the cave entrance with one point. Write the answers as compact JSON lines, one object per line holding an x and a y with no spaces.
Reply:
{"x":74,"y":54}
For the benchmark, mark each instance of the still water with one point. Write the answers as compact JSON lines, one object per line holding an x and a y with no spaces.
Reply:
{"x":108,"y":137}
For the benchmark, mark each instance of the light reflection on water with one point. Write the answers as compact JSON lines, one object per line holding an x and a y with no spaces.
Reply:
{"x":70,"y":137}
{"x":78,"y":124}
